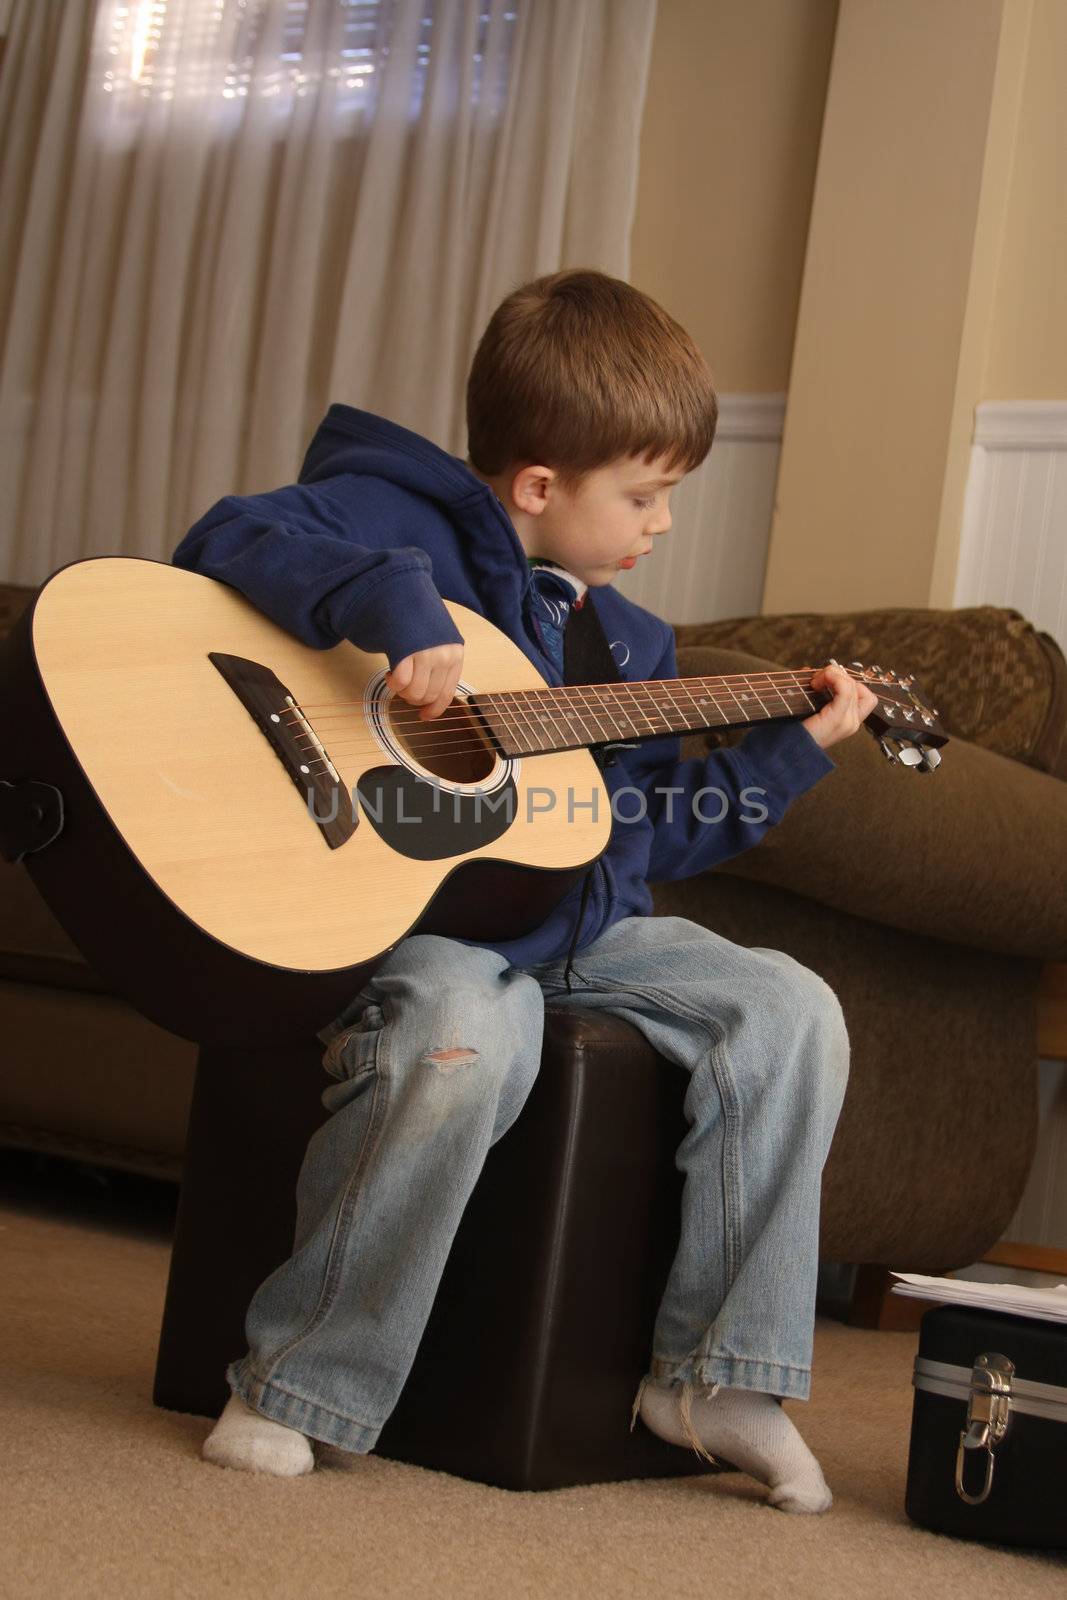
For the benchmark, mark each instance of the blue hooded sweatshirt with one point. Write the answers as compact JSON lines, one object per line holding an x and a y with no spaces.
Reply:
{"x":379,"y":526}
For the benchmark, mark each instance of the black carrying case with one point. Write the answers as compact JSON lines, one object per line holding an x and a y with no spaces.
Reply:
{"x":988,"y":1454}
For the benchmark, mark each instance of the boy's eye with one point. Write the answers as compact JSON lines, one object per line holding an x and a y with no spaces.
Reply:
{"x":644,"y":504}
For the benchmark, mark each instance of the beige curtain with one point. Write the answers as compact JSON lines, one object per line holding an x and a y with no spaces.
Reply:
{"x":216,"y":218}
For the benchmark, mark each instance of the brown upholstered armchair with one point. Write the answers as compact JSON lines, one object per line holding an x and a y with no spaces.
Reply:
{"x":930,"y":903}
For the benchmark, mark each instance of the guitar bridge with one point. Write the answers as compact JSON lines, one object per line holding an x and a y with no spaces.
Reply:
{"x":279,"y":718}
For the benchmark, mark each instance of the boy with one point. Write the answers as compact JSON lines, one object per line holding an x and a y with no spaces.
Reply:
{"x":586,"y":402}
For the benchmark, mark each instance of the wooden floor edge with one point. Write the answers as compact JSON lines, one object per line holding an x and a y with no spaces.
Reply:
{"x":1027,"y":1257}
{"x":1052,"y":1012}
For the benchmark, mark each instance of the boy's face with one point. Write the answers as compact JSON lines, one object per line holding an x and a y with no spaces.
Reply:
{"x":603,"y":527}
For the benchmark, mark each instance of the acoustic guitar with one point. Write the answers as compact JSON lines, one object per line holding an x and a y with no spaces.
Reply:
{"x":235,"y":828}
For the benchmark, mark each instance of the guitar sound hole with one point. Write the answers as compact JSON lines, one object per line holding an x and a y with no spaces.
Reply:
{"x":451,"y":746}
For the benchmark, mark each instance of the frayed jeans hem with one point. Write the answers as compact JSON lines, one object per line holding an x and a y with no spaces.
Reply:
{"x":735,"y":1372}
{"x":293,"y":1411}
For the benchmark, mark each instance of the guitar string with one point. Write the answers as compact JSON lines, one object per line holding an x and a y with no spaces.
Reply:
{"x":586,"y":698}
{"x":427,"y":732}
{"x":519,"y":700}
{"x":479,"y":744}
{"x":544,"y":708}
{"x":791,"y":674}
{"x":432,"y":741}
{"x":626,"y":709}
{"x":659,"y":695}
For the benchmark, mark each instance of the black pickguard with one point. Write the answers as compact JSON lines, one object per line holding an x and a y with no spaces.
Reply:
{"x":426,"y":823}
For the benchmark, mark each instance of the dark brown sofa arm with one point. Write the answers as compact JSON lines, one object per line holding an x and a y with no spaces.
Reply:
{"x":972,"y":854}
{"x":993,"y":677}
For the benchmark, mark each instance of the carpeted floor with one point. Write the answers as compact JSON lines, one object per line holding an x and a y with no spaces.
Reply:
{"x":103,"y":1494}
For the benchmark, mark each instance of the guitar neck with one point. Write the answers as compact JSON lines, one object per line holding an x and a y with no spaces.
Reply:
{"x":573,"y":717}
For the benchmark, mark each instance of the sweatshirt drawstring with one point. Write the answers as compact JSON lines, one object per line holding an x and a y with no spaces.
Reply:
{"x":586,"y":886}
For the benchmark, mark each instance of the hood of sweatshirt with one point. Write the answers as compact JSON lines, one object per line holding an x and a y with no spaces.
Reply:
{"x":350,"y":441}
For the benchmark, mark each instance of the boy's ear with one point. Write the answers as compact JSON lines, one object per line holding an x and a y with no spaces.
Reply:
{"x":530,"y":489}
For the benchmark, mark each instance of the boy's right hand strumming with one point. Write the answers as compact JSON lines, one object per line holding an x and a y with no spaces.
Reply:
{"x":428,"y":678}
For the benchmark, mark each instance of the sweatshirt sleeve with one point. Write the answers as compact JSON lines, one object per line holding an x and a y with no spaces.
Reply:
{"x":749,"y":787}
{"x":289,"y":553}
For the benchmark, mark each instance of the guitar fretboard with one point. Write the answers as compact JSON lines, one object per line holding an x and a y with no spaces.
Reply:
{"x":539,"y":721}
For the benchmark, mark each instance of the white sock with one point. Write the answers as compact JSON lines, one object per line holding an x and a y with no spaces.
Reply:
{"x":244,"y":1438}
{"x":747,"y":1428}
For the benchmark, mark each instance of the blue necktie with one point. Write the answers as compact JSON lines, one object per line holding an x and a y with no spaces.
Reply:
{"x":553,"y":593}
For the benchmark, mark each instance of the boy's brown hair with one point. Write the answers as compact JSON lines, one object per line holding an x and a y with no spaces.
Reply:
{"x":577,"y":369}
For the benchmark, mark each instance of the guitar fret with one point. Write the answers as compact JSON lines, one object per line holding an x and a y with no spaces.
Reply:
{"x":557,"y":713}
{"x":568,"y":719}
{"x":795,"y":688}
{"x":547,"y":728}
{"x":750,"y":690}
{"x":708,"y":709}
{"x":625,"y":717}
{"x":698,"y":705}
{"x":736,"y":700}
{"x":597,"y":716}
{"x":679,"y":714}
{"x":532,"y":731}
{"x":781,"y":697}
{"x":639,"y":708}
{"x":516,"y":730}
{"x":802,"y":690}
{"x":580,"y":720}
{"x":656,"y":709}
{"x":519,"y":730}
{"x":588,"y":738}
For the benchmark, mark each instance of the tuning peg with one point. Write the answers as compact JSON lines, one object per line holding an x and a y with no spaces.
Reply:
{"x":876,"y":669}
{"x":931,"y":758}
{"x":857,"y":664}
{"x":888,"y":746}
{"x":910,"y":756}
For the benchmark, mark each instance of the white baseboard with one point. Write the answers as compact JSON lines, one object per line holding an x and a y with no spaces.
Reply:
{"x":1013,"y":540}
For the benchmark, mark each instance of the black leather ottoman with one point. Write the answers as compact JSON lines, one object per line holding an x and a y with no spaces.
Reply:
{"x":542,"y":1325}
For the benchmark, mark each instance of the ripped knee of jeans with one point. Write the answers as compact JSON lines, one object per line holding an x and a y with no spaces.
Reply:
{"x":450,"y":1060}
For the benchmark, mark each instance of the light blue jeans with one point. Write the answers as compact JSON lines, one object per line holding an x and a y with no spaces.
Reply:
{"x":433,"y":1062}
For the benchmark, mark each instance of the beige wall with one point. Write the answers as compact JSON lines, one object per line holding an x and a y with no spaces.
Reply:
{"x":1028,"y":344}
{"x":884,"y":306}
{"x":892,"y":263}
{"x":729,"y":145}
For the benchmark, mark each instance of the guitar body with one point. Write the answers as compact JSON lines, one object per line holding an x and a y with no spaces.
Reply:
{"x":196,"y":869}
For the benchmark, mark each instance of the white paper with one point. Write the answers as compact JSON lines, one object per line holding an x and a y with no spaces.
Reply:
{"x":1015,"y":1298}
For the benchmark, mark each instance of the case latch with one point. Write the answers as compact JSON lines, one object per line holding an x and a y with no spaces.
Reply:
{"x":988,"y":1413}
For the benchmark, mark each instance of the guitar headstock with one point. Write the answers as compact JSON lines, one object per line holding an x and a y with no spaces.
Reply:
{"x":904,"y":723}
